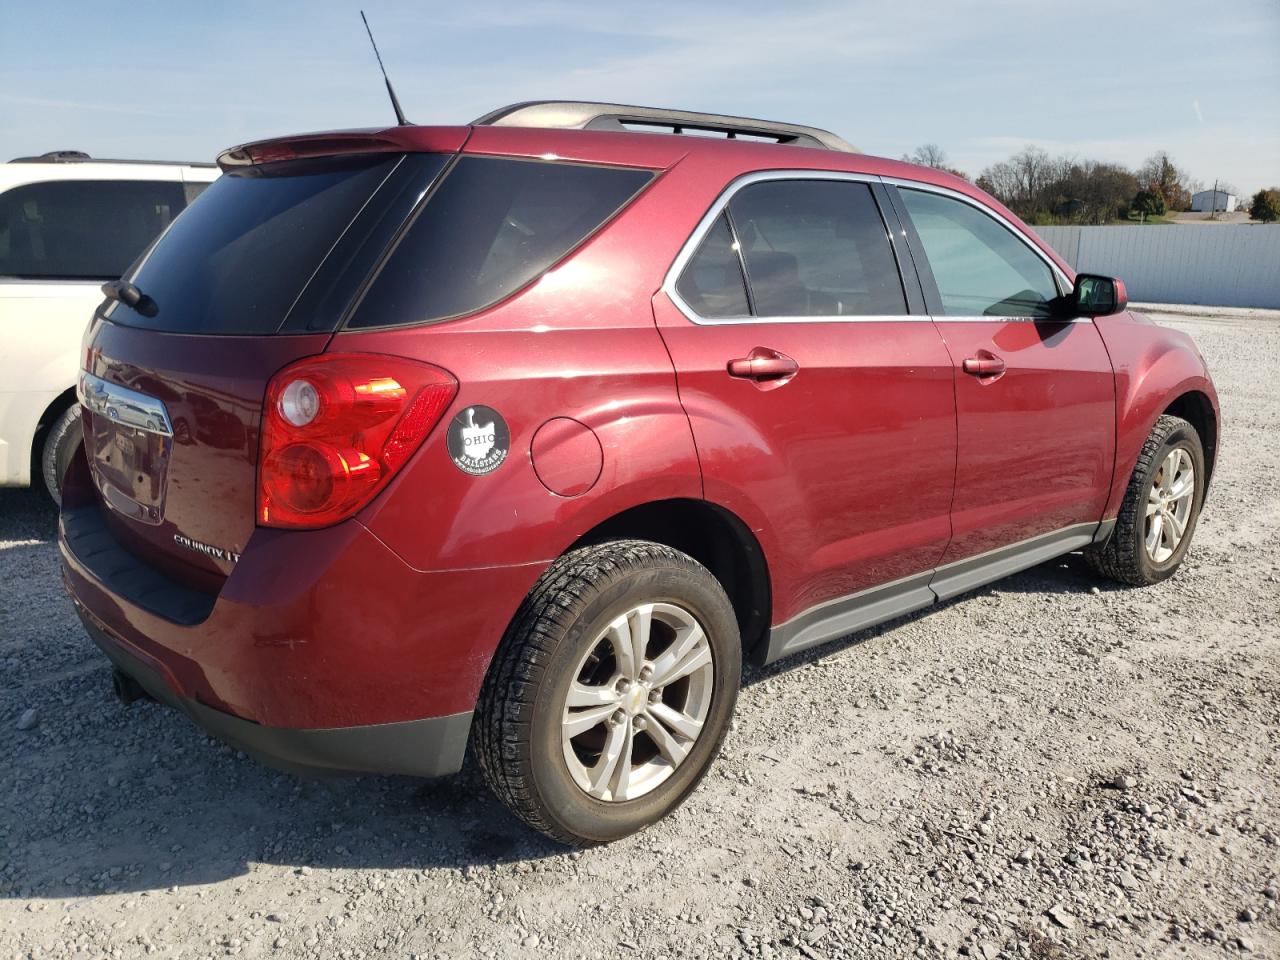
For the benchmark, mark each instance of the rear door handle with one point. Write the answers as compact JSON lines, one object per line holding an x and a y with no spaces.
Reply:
{"x":763,"y":364}
{"x":986,"y":366}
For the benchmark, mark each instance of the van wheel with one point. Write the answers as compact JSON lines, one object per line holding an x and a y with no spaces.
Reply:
{"x":1160,"y":508}
{"x":59,"y":447}
{"x":611,"y":692}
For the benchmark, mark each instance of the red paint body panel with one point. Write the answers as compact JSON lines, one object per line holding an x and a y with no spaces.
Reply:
{"x":845,"y":474}
{"x":286,"y":646}
{"x":579,"y":343}
{"x":213,"y":388}
{"x":1154,"y":366}
{"x":1037,"y":442}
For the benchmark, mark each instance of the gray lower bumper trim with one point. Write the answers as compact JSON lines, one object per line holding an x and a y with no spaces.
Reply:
{"x":418,"y":748}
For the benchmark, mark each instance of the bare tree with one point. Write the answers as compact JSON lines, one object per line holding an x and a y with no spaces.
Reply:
{"x":1020,"y":181}
{"x":1045,"y":189}
{"x":932,"y":155}
{"x":928,"y":155}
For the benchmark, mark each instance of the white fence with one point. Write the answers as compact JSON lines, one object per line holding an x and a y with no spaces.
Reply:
{"x":1220,"y":265}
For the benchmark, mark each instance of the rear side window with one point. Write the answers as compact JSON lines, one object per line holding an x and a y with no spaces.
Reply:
{"x":816,"y":248}
{"x":492,"y":226}
{"x":980,"y":267}
{"x":238,"y":259}
{"x":82,"y":229}
{"x":712,"y":283}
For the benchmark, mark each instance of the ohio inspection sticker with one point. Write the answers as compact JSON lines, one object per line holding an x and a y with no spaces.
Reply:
{"x":478,"y":440}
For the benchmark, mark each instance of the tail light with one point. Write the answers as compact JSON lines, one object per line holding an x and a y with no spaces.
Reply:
{"x":335,"y":430}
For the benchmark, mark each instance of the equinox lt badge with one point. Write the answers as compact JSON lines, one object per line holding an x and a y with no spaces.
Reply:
{"x":208,"y":549}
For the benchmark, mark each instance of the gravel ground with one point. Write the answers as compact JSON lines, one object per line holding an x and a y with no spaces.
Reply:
{"x":1051,"y":767}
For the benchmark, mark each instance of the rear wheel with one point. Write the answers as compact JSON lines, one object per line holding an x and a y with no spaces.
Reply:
{"x":611,"y":692}
{"x":59,"y":447}
{"x":1160,"y":508}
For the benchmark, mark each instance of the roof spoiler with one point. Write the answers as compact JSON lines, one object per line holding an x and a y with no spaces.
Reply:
{"x":306,"y":145}
{"x":581,"y":115}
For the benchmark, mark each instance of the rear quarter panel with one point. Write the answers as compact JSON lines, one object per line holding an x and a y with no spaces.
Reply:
{"x":579,"y":343}
{"x":1154,"y":366}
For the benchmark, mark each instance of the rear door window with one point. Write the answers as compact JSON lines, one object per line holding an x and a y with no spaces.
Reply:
{"x":816,"y":248}
{"x":82,"y":229}
{"x":492,"y":226}
{"x":712,"y":284}
{"x":980,"y":267}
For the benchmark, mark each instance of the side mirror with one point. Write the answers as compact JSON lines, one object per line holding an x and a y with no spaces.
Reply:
{"x":1098,"y":296}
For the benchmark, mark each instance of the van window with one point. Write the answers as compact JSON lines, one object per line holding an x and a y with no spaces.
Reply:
{"x":816,"y":248}
{"x":492,"y":226}
{"x":82,"y":229}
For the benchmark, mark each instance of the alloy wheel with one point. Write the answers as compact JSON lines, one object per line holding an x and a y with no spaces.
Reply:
{"x":1169,"y":504}
{"x":638,"y":702}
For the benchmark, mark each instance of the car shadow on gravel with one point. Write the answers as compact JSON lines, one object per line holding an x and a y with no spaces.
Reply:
{"x":98,"y":798}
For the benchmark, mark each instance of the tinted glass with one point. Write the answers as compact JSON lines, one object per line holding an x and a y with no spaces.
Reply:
{"x":980,"y":267}
{"x":236,"y":261}
{"x":712,"y":283}
{"x":816,"y":248}
{"x":491,"y":227}
{"x":82,"y":229}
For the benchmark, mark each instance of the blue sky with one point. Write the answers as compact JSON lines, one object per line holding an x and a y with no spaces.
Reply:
{"x":982,"y":78}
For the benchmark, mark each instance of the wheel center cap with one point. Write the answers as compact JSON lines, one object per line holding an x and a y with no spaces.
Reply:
{"x":635,"y":699}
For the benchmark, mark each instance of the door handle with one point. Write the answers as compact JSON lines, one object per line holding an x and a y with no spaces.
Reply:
{"x":763,"y":364}
{"x":986,"y":366}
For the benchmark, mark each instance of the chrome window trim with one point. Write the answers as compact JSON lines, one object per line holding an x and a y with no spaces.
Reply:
{"x":695,"y":238}
{"x":122,"y":405}
{"x":708,"y":220}
{"x":943,"y":318}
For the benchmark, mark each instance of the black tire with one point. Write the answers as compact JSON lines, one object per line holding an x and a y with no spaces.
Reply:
{"x":60,"y":443}
{"x":1124,"y":556}
{"x":516,"y":736}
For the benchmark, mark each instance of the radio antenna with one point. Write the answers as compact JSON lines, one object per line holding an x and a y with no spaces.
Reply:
{"x":395,"y":104}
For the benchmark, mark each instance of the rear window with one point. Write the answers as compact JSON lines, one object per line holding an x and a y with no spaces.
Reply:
{"x":238,"y":259}
{"x":492,"y":226}
{"x":82,"y":229}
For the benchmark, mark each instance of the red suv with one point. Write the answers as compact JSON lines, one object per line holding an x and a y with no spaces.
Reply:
{"x":519,"y":437}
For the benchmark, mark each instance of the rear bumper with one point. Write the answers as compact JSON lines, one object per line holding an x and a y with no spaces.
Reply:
{"x":322,"y":650}
{"x":419,"y":748}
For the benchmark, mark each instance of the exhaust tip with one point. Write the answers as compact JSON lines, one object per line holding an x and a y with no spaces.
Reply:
{"x":127,"y":689}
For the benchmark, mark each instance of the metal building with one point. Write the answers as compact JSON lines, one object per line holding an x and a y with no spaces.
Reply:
{"x":1217,"y":201}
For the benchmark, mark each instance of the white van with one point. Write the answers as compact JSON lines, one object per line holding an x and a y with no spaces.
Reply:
{"x":67,"y":224}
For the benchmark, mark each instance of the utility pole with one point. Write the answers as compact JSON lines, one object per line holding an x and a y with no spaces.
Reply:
{"x":1213,"y":201}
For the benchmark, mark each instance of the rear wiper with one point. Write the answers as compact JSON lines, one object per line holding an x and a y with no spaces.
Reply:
{"x":122,"y":291}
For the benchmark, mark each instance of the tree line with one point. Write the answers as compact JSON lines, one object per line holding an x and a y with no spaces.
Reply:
{"x":1042,"y":189}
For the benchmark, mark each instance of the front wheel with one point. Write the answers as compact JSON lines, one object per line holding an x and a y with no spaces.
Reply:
{"x":1160,"y":508}
{"x":611,"y":692}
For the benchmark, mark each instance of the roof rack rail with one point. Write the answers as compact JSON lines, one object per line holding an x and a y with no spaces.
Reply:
{"x":79,"y":156}
{"x":580,"y":115}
